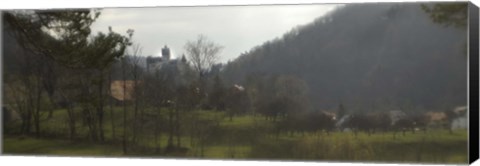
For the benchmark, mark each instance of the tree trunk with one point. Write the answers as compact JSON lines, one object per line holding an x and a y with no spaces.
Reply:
{"x":157,"y":132}
{"x":100,"y":108}
{"x":36,"y":116}
{"x":170,"y":128}
{"x":50,"y":111}
{"x":30,"y":113}
{"x":71,"y":124}
{"x":110,"y":103}
{"x":28,"y":125}
{"x":71,"y":120}
{"x":90,"y":120}
{"x":135,"y":111}
{"x":177,"y":126}
{"x":124,"y":139}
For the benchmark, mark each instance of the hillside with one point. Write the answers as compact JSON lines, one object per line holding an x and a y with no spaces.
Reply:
{"x":367,"y":56}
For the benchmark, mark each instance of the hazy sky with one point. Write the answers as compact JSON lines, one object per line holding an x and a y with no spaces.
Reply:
{"x":237,"y":28}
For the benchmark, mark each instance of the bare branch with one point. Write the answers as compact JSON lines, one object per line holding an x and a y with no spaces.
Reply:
{"x":203,"y":53}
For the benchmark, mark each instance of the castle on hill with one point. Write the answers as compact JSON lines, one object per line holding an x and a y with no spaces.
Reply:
{"x":157,"y":63}
{"x":153,"y":64}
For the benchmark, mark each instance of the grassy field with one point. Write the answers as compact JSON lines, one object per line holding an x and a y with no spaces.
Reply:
{"x":248,"y":137}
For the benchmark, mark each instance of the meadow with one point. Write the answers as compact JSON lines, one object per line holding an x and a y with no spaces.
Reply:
{"x":248,"y":137}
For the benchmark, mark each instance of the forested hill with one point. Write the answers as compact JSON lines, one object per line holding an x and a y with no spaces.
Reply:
{"x":367,"y":56}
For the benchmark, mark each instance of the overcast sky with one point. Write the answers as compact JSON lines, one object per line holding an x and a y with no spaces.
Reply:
{"x":237,"y":28}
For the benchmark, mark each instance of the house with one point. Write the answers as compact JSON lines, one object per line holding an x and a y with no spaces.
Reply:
{"x":123,"y":91}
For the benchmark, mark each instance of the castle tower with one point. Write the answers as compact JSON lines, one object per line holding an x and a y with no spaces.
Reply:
{"x":165,"y":53}
{"x":184,"y":60}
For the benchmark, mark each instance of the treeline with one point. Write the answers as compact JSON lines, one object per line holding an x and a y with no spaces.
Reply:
{"x":371,"y":56}
{"x":53,"y":64}
{"x":52,"y":61}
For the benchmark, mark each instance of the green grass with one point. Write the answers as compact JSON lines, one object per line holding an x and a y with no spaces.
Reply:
{"x":247,"y":137}
{"x":32,"y":146}
{"x":223,"y":152}
{"x":437,"y":146}
{"x":243,"y":121}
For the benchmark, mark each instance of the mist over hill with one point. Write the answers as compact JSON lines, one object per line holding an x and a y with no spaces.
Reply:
{"x":368,"y":57}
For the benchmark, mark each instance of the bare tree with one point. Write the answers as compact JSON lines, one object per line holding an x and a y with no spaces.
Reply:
{"x":124,"y":135}
{"x":110,"y":102}
{"x":69,"y":90}
{"x":27,"y":91}
{"x":203,"y":53}
{"x":63,"y":39}
{"x":136,"y":74}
